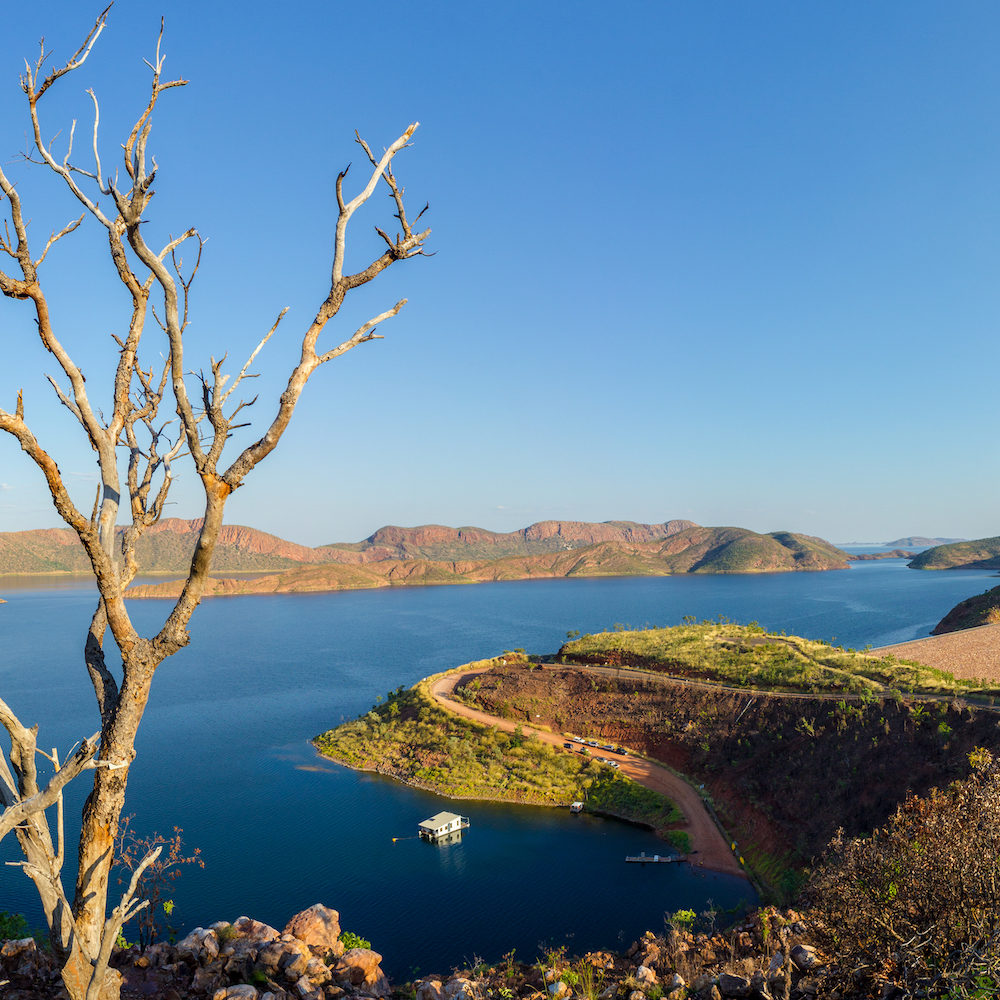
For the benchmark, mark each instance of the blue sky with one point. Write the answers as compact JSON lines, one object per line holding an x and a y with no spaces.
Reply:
{"x":723,"y":261}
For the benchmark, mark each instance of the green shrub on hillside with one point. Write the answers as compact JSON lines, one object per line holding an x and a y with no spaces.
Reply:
{"x":412,"y":737}
{"x":13,"y":926}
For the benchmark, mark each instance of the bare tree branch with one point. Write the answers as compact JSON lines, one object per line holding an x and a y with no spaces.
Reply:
{"x":82,"y":932}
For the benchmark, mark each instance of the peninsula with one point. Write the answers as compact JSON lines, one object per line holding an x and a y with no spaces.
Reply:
{"x":981,"y":553}
{"x":790,"y":739}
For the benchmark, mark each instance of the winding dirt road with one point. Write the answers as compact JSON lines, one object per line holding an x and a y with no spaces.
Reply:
{"x":713,"y":850}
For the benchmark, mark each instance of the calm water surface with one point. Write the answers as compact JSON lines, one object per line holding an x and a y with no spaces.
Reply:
{"x":223,"y":751}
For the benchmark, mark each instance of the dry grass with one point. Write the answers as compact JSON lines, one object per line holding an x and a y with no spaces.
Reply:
{"x":748,"y":656}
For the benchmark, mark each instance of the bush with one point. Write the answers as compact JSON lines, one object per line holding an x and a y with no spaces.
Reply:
{"x":917,"y":904}
{"x":350,"y":940}
{"x":13,"y":926}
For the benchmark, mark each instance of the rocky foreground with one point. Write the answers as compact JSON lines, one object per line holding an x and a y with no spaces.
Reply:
{"x":766,"y":957}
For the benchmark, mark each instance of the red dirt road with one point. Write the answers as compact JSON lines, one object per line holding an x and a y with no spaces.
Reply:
{"x":713,"y":851}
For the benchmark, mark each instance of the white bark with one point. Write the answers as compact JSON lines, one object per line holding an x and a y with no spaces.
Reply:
{"x":81,"y":931}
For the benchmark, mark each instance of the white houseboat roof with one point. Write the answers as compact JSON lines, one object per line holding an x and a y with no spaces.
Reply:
{"x":439,"y":820}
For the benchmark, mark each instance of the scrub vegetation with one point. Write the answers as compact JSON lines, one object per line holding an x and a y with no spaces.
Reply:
{"x":783,"y":773}
{"x":409,"y":736}
{"x":749,"y":656}
{"x":918,"y":901}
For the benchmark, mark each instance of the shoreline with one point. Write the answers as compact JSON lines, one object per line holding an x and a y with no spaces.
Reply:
{"x":707,"y":839}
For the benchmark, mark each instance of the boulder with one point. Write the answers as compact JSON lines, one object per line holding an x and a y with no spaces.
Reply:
{"x":777,"y":963}
{"x":645,"y":975}
{"x":294,"y":963}
{"x":461,"y":988}
{"x":558,"y":990}
{"x":305,"y":990}
{"x":360,"y":965}
{"x":242,"y":992}
{"x":271,"y":956}
{"x":428,"y":989}
{"x":207,"y":980}
{"x":198,"y":947}
{"x":12,"y":948}
{"x":733,"y":986}
{"x":637,"y":995}
{"x":318,"y":971}
{"x":675,"y":982}
{"x":804,"y":956}
{"x":254,"y":930}
{"x":318,"y":927}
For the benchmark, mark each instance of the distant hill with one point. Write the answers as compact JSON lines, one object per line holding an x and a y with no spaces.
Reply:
{"x":436,"y":542}
{"x":437,"y":554}
{"x":49,"y":550}
{"x":167,"y":547}
{"x":693,"y":550}
{"x":983,"y":553}
{"x":912,"y":540}
{"x":869,"y":556}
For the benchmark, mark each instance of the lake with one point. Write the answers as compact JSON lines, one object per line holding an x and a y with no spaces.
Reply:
{"x":223,"y":750}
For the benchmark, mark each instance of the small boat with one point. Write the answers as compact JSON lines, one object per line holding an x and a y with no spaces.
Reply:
{"x":656,"y":859}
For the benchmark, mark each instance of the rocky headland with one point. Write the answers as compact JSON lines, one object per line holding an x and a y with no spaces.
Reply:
{"x":983,"y":609}
{"x":981,"y":553}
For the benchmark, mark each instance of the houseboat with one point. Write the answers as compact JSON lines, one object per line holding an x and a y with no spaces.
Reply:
{"x":443,"y":825}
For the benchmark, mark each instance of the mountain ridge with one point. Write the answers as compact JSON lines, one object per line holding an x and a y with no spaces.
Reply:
{"x":167,"y":546}
{"x":911,"y":540}
{"x":696,"y":550}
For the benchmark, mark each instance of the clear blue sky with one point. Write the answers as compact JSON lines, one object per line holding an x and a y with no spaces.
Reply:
{"x":722,"y":261}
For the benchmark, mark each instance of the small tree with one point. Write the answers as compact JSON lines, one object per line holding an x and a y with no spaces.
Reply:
{"x":157,"y":878}
{"x":130,"y":428}
{"x":917,"y":904}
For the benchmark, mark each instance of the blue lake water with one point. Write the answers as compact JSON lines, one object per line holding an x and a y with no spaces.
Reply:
{"x":223,"y":751}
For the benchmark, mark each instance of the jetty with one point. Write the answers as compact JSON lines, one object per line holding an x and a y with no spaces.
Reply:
{"x":655,"y":859}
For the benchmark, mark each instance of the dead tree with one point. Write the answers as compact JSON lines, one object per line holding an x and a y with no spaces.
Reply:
{"x":131,"y":427}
